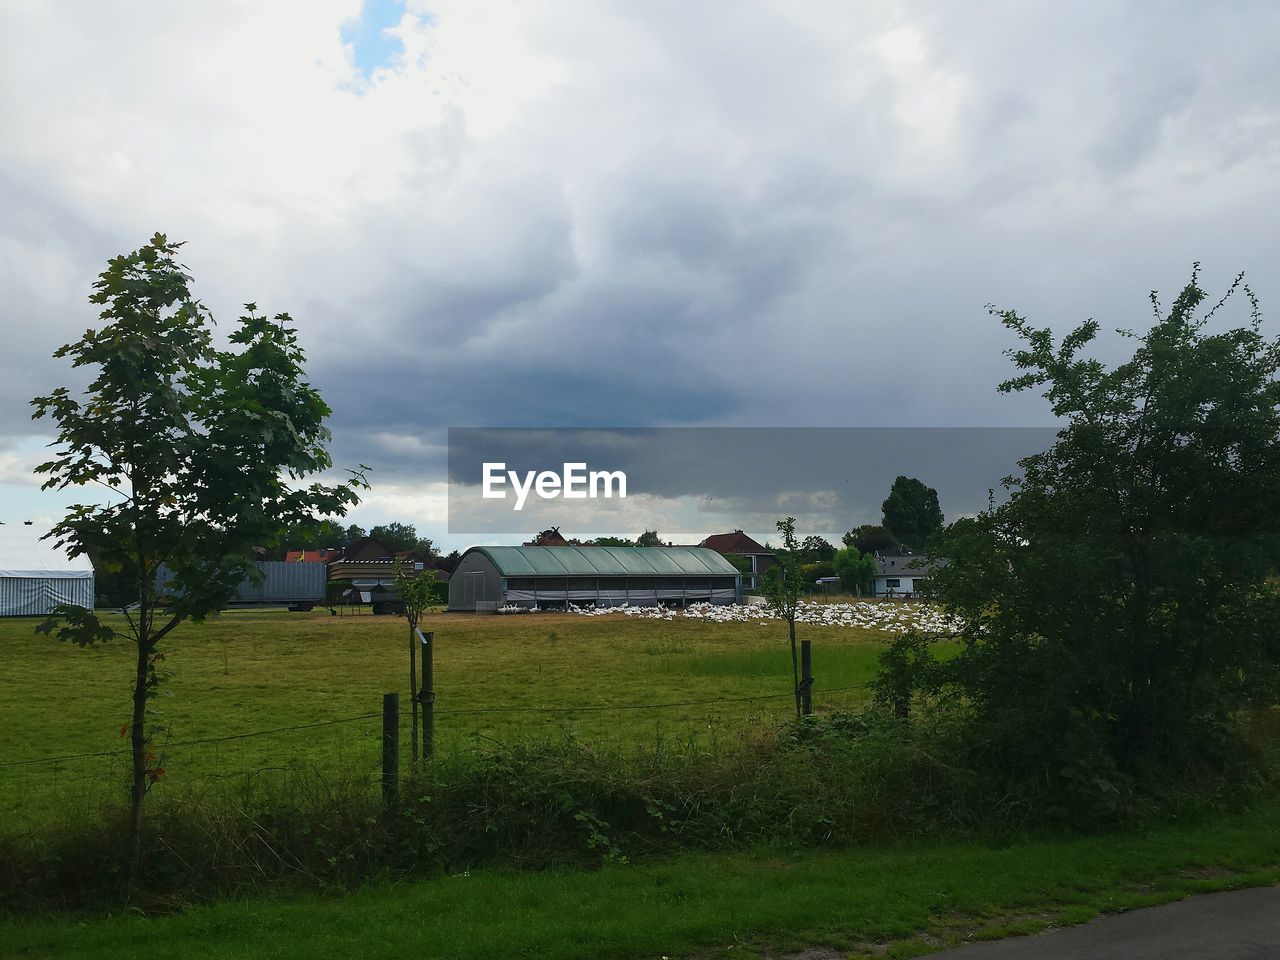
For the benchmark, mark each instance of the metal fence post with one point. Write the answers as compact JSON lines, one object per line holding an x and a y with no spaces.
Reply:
{"x":806,"y":678}
{"x":390,"y":747}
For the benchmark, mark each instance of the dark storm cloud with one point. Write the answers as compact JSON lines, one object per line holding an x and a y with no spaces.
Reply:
{"x":836,"y":475}
{"x":644,"y":214}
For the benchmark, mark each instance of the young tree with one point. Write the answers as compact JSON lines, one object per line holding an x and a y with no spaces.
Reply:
{"x":855,"y":569}
{"x":203,"y":450}
{"x":782,"y":585}
{"x":417,"y":592}
{"x":1120,"y":608}
{"x":911,"y":512}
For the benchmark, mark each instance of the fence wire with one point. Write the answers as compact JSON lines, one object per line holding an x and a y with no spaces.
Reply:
{"x":256,"y":762}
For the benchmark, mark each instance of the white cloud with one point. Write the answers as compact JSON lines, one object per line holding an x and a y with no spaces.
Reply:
{"x":635,"y":213}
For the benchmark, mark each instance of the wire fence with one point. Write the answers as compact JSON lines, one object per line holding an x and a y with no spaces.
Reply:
{"x":35,"y":789}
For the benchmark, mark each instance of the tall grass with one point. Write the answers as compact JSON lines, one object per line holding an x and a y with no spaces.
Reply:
{"x":530,"y":803}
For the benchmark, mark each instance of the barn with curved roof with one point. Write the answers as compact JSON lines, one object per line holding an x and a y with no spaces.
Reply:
{"x":554,"y":577}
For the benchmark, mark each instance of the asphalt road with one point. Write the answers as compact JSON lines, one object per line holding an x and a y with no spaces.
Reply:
{"x":1240,"y":925}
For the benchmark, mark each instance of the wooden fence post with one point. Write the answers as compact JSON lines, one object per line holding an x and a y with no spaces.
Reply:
{"x":390,"y":747}
{"x":806,"y":678}
{"x":428,"y":693}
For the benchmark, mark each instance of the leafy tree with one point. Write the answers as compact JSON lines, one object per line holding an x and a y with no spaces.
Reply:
{"x":417,"y":592}
{"x":355,"y":532}
{"x":855,"y":569}
{"x":740,"y":563}
{"x":449,"y":562}
{"x":204,"y":451}
{"x":649,"y":538}
{"x":911,"y":512}
{"x":817,"y":570}
{"x":871,"y":538}
{"x":1120,"y":608}
{"x":816,"y":549}
{"x":310,"y":536}
{"x":398,"y":537}
{"x":612,"y":542}
{"x":782,"y":585}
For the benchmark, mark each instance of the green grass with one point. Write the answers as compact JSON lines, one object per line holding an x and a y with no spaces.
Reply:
{"x":895,"y":900}
{"x":257,"y":670}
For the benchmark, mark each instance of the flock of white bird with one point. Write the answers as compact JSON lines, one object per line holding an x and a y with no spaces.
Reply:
{"x":889,"y":617}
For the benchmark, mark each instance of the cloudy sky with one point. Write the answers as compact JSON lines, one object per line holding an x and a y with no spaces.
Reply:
{"x":629,"y":214}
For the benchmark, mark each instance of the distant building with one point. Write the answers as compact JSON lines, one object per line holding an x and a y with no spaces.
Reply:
{"x":759,"y":557}
{"x":901,"y":574}
{"x":367,"y":548}
{"x":487,"y":578}
{"x":36,"y":575}
{"x":370,"y":566}
{"x":323,"y":555}
{"x":551,"y":537}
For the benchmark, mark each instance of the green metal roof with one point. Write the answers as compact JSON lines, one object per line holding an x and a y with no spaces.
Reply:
{"x":607,"y":561}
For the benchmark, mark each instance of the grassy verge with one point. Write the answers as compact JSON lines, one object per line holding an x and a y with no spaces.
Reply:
{"x":906,"y":898}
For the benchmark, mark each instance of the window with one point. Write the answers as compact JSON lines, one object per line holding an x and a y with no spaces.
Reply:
{"x":893,"y":583}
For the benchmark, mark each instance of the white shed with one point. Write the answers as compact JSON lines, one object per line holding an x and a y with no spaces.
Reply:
{"x":36,"y":576}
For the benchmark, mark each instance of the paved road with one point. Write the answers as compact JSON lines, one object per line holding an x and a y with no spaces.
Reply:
{"x":1240,"y":925}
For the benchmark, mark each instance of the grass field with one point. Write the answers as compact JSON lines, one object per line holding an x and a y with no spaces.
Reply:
{"x":880,"y":900}
{"x":514,"y":678}
{"x":496,"y":677}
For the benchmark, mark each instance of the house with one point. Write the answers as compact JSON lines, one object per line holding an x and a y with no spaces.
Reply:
{"x":760,"y":558}
{"x":901,"y":574}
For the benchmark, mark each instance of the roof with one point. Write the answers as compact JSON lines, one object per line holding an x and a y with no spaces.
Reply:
{"x":323,"y":555}
{"x":551,"y":537}
{"x":891,"y":565}
{"x":596,"y":561}
{"x":736,"y":542}
{"x":367,"y":548}
{"x":24,"y":555}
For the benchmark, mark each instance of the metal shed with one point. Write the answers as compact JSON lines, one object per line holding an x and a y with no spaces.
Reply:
{"x":554,"y":577}
{"x":36,"y":576}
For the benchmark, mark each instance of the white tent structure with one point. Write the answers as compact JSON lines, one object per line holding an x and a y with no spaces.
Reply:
{"x":36,"y":576}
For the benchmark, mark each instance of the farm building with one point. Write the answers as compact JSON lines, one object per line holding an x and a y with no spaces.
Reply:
{"x":35,"y":576}
{"x":490,"y":577}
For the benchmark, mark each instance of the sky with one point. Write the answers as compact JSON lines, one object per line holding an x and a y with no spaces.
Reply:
{"x":611,"y":214}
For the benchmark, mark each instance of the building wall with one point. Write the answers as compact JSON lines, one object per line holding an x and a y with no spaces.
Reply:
{"x":37,"y":596}
{"x":906,"y":585}
{"x":615,"y":591}
{"x":474,"y":579}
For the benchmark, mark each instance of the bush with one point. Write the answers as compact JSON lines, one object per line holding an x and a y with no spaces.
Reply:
{"x":833,"y":780}
{"x":1118,"y":611}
